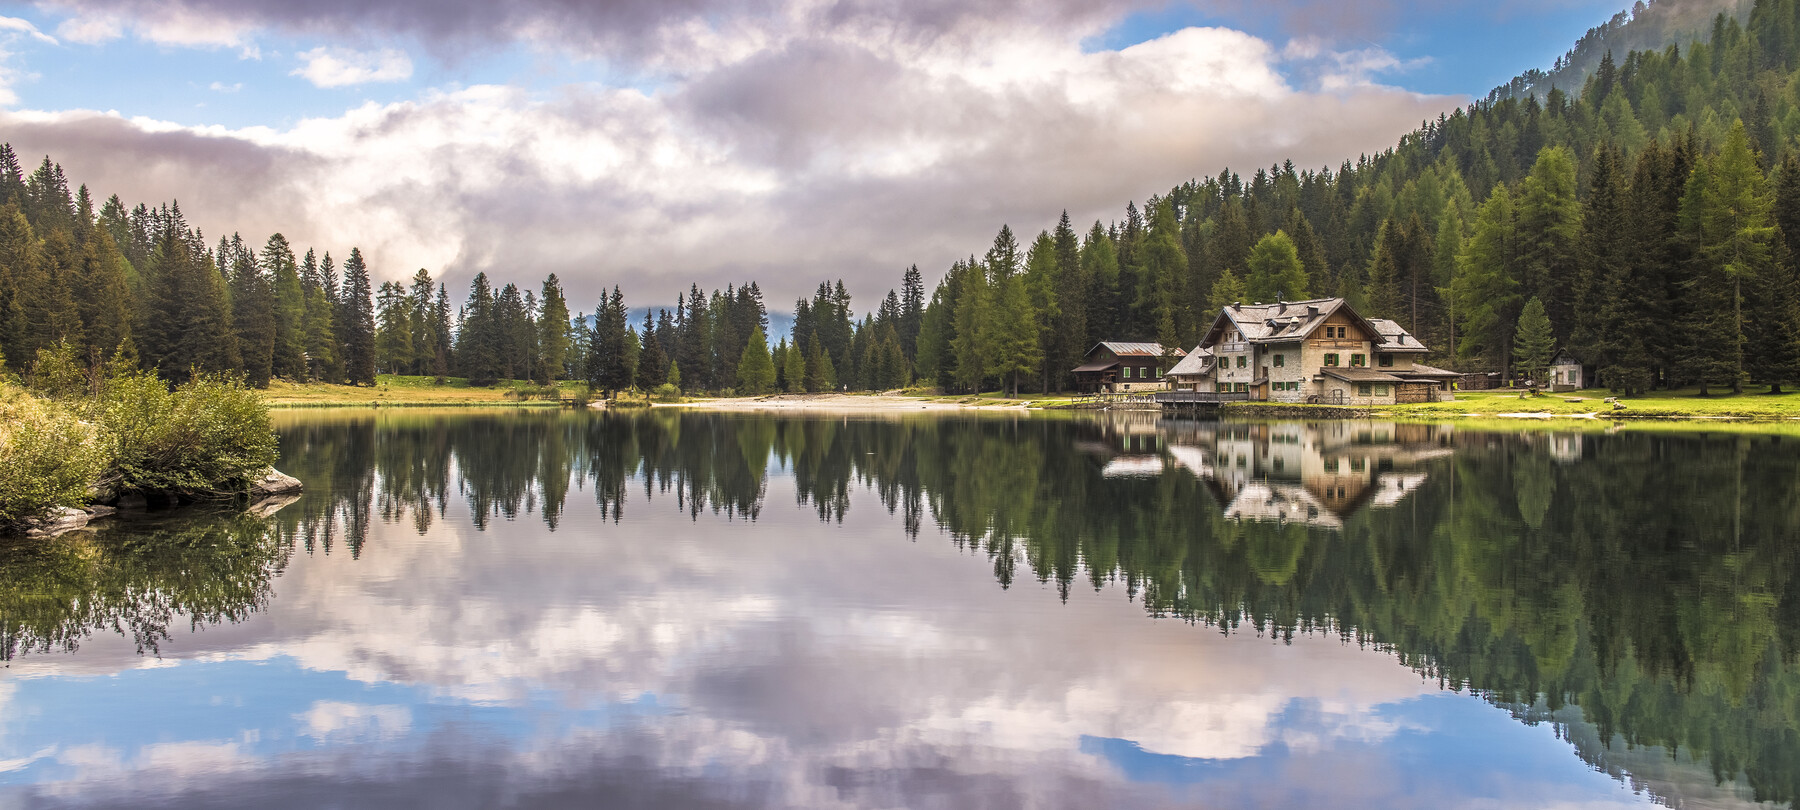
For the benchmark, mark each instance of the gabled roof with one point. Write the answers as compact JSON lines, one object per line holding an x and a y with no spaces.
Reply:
{"x":1290,"y":320}
{"x":1296,"y":320}
{"x":1396,"y":339}
{"x":1564,"y":357}
{"x":1128,"y":349}
{"x":1197,"y":363}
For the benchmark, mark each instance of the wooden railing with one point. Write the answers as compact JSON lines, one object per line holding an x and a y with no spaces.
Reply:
{"x":1200,"y":397}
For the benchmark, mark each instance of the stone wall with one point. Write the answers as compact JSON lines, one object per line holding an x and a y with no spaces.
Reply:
{"x":1277,"y":410}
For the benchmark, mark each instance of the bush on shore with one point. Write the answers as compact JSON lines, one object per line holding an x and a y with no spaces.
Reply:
{"x":48,"y":457}
{"x":81,"y":433}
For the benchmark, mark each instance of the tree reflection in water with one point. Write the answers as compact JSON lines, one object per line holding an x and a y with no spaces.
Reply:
{"x":1648,"y":579}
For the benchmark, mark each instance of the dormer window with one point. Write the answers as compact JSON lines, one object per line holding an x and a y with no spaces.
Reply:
{"x":1386,"y":360}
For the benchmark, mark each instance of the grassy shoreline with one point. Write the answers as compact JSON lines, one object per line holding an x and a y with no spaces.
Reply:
{"x":392,"y":391}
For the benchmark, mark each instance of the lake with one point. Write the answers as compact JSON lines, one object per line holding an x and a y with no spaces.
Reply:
{"x":677,"y":609}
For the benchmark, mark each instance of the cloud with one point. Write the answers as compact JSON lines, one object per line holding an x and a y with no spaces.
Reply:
{"x":339,"y":67}
{"x":851,"y":154}
{"x":12,"y":29}
{"x":14,"y":25}
{"x":221,"y":87}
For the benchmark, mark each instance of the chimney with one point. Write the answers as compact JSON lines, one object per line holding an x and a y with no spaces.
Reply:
{"x":1283,"y":303}
{"x":1312,"y":309}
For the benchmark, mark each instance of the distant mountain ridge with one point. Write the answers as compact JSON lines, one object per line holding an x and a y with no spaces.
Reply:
{"x":1651,"y":26}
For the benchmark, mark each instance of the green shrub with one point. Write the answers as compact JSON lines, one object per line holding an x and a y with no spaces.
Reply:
{"x":211,"y":435}
{"x":48,"y":457}
{"x":667,"y":392}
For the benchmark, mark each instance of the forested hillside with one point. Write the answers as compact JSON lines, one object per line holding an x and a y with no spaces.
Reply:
{"x":1650,"y":212}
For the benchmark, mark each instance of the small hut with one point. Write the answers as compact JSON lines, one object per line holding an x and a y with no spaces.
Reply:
{"x":1567,"y":373}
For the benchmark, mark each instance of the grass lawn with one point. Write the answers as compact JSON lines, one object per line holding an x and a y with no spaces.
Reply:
{"x":1658,"y":405}
{"x":394,"y":390}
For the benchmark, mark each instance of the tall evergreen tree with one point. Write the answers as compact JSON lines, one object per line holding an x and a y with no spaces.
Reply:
{"x":1534,"y":342}
{"x":755,"y":370}
{"x":358,"y":313}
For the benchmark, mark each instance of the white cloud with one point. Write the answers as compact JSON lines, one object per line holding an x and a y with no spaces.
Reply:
{"x":346,"y":722}
{"x":784,"y":156}
{"x":341,"y":67}
{"x":221,"y":87}
{"x":18,"y":26}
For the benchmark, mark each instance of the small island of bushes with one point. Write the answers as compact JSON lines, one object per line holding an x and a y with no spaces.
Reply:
{"x":75,"y":436}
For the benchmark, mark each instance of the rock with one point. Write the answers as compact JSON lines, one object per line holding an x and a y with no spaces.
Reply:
{"x":60,"y":520}
{"x":274,"y":482}
{"x":267,"y":507}
{"x":99,"y":511}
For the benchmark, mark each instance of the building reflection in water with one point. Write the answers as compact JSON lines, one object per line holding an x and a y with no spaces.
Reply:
{"x":1312,"y":473}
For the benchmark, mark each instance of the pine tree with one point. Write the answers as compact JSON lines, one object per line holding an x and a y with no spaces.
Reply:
{"x":393,"y":330}
{"x":358,"y":311}
{"x":1727,"y":217}
{"x":794,"y":370}
{"x":755,"y":370}
{"x":1534,"y":341}
{"x":553,"y":331}
{"x":1549,"y":229}
{"x":1486,"y":285}
{"x":1227,"y":291}
{"x":252,"y":313}
{"x":322,"y":354}
{"x":187,"y":322}
{"x":288,"y":301}
{"x":1276,"y":272}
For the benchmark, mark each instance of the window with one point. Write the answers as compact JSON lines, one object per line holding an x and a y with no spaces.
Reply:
{"x":1362,"y":389}
{"x":1280,"y":360}
{"x":1331,"y":360}
{"x":1127,"y":372}
{"x":1331,"y":465}
{"x":1356,"y":361}
{"x":1243,"y":361}
{"x":1222,"y":387}
{"x":1279,"y":464}
{"x":1159,"y":372}
{"x":1143,"y":372}
{"x":1358,"y":465}
{"x":1381,"y":390}
{"x":1243,"y":387}
{"x":1334,"y":331}
{"x":1387,"y":361}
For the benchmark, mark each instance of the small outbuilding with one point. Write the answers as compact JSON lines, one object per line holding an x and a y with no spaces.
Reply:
{"x":1121,"y":367}
{"x":1567,"y":373}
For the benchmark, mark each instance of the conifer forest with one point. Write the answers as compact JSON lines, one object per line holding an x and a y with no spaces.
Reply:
{"x":1650,"y":209}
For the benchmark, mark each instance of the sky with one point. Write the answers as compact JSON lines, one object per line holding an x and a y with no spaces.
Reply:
{"x":654,"y":144}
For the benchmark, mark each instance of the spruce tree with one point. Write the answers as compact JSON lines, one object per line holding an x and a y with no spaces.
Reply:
{"x":1487,"y":281}
{"x":1276,"y":272}
{"x":553,"y":331}
{"x":358,"y":308}
{"x":252,"y":314}
{"x":755,"y":370}
{"x":793,"y":370}
{"x":1534,"y":341}
{"x":288,"y":301}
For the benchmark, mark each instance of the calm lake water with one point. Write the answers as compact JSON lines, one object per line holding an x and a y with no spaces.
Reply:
{"x":683,"y":610}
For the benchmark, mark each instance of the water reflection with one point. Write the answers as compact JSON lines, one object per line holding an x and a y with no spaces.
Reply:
{"x":638,"y":591}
